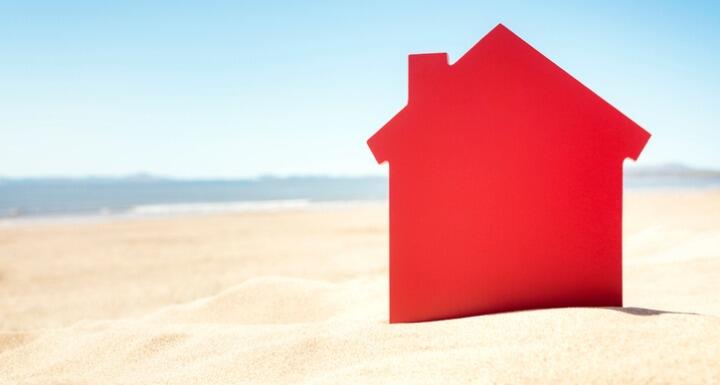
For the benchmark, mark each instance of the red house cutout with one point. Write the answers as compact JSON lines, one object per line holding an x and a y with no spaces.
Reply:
{"x":505,"y":186}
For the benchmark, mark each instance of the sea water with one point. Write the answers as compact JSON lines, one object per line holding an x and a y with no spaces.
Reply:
{"x":23,"y":198}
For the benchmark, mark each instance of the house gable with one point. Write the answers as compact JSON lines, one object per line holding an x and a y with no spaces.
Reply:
{"x":431,"y":79}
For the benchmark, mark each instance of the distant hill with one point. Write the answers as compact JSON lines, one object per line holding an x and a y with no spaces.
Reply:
{"x":144,"y":178}
{"x":675,"y":170}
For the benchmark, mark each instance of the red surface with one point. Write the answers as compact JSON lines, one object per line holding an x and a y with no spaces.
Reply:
{"x":505,"y":186}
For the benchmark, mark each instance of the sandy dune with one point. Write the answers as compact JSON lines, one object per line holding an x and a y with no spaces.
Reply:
{"x":301,"y":297}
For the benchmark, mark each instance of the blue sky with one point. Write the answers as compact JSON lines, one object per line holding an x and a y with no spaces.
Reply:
{"x":233,"y":89}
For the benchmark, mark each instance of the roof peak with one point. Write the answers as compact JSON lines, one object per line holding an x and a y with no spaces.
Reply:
{"x":501,"y":28}
{"x":499,"y":33}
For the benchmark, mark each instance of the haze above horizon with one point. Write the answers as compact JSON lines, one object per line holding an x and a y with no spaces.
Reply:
{"x":228,"y":89}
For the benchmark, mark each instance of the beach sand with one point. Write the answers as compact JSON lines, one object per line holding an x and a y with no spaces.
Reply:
{"x":300,"y":296}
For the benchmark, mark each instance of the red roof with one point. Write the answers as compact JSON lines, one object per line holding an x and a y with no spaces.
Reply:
{"x":502,"y":69}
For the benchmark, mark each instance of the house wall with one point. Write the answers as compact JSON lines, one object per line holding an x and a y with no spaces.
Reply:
{"x":489,"y":231}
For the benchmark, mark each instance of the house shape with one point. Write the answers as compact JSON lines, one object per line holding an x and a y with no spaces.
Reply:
{"x":506,"y":182}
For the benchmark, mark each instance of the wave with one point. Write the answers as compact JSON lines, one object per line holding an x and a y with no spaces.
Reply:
{"x":218,"y":207}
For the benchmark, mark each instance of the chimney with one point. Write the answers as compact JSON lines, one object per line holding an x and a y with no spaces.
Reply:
{"x":426,"y":72}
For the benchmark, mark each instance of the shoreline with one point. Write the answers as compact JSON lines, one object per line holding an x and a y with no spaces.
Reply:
{"x":192,"y":209}
{"x":182,"y":210}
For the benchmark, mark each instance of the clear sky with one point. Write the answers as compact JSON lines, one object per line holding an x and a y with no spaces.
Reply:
{"x":233,"y":89}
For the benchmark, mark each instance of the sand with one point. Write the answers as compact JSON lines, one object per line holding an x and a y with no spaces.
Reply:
{"x":300,"y":296}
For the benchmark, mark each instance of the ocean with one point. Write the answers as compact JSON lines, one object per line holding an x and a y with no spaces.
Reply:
{"x":147,"y":196}
{"x":156,"y":196}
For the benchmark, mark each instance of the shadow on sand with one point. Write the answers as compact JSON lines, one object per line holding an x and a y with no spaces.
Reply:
{"x":639,"y":311}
